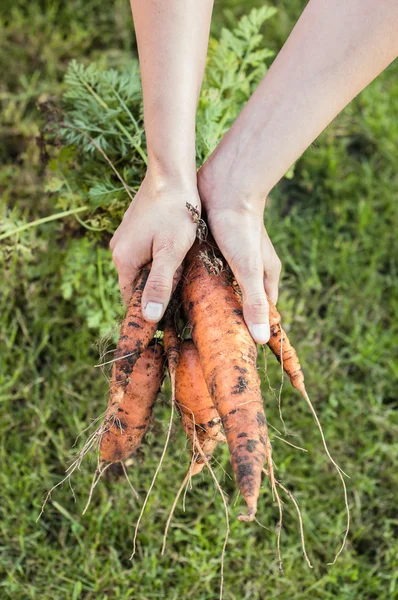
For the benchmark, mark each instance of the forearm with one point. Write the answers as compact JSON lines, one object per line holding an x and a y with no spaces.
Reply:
{"x":335,"y":50}
{"x":172,"y":37}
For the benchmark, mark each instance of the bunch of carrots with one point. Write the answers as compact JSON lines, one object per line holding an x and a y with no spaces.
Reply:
{"x":211,"y":359}
{"x":215,"y":383}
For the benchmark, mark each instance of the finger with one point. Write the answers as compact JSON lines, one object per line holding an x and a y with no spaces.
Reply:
{"x":177,"y":277}
{"x":249,"y":274}
{"x":271,"y":281}
{"x":271,"y":286}
{"x":159,"y":287}
{"x":272,"y":270}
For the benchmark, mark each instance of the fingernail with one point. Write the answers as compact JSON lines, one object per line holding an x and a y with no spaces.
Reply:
{"x":153,"y":311}
{"x":260,"y":332}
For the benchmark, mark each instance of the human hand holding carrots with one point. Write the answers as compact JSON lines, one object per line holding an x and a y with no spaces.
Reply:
{"x":301,"y":93}
{"x":236,"y":222}
{"x":156,"y":227}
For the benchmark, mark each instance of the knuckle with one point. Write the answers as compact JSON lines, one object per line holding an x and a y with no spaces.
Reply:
{"x":166,"y":246}
{"x":173,"y":250}
{"x":159,"y":284}
{"x":121,"y":261}
{"x":245,"y":264}
{"x":118,"y":257}
{"x":257,"y":302}
{"x":272,"y":267}
{"x":276,"y":264}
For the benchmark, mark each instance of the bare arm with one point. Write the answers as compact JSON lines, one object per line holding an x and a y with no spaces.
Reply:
{"x":336,"y":48}
{"x":172,"y":38}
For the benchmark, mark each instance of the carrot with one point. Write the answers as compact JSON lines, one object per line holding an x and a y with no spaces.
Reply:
{"x":172,"y":345}
{"x":130,"y":408}
{"x":228,"y":357}
{"x":136,"y":377}
{"x":281,"y":347}
{"x":199,"y":417}
{"x":135,"y":334}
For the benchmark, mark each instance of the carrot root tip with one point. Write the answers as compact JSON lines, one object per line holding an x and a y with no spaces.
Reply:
{"x":249,"y":516}
{"x":197,"y":468}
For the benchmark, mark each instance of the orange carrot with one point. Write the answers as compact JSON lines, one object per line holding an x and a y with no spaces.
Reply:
{"x":280,"y":345}
{"x":130,"y":408}
{"x":135,"y":334}
{"x":172,"y":345}
{"x":228,"y":357}
{"x":199,"y":417}
{"x":135,"y":380}
{"x":282,"y":348}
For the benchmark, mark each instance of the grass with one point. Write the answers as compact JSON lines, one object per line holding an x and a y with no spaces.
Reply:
{"x":334,"y":228}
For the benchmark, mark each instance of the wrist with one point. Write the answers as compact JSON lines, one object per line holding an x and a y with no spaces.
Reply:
{"x":172,"y":157}
{"x":223,"y":185}
{"x":171,"y":188}
{"x":163,"y":176}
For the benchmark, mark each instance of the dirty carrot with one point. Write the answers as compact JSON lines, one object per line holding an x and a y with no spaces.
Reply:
{"x":228,"y":357}
{"x":172,"y":345}
{"x":135,"y":333}
{"x":199,"y":417}
{"x":282,"y":348}
{"x":130,"y":407}
{"x":136,"y":377}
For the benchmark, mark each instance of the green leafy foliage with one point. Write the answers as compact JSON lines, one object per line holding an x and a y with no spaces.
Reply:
{"x":84,"y":262}
{"x":103,"y":103}
{"x":236,"y":64}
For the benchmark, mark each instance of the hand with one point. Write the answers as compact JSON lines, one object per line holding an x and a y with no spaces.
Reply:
{"x":157,"y":226}
{"x":236,"y":223}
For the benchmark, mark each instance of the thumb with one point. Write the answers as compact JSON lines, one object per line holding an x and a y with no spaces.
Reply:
{"x":255,"y":303}
{"x":158,"y":289}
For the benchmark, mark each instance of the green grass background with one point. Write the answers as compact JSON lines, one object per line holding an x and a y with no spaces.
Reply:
{"x":334,"y":226}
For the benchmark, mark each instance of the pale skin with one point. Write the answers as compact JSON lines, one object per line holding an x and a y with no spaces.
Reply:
{"x":335,"y":50}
